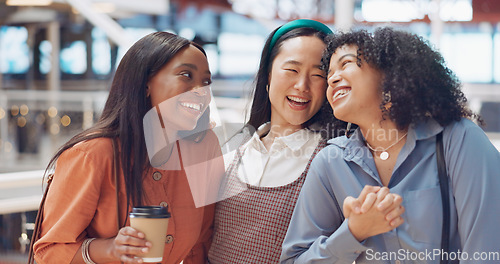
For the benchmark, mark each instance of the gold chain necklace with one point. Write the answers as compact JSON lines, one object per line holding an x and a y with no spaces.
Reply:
{"x":384,"y":155}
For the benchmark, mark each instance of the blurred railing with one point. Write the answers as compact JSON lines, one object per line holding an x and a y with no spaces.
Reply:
{"x":20,"y":191}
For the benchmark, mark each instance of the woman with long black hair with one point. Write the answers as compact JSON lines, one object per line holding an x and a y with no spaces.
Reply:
{"x":80,"y":215}
{"x":291,"y":121}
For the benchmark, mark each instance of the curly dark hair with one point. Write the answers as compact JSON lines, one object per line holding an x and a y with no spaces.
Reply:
{"x":417,"y":83}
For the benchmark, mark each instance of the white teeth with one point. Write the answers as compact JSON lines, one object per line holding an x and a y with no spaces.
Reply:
{"x":298,"y":99}
{"x":192,"y":106}
{"x":340,"y":93}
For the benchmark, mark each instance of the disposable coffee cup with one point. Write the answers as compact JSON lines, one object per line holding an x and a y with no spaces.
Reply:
{"x":153,"y":222}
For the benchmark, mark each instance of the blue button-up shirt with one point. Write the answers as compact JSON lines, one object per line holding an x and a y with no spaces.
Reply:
{"x":317,"y":235}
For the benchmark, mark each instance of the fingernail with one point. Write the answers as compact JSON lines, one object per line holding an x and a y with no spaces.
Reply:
{"x":141,"y":235}
{"x":145,"y":249}
{"x":148,"y":244}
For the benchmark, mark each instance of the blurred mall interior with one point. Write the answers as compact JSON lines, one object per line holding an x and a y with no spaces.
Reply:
{"x":57,"y":58}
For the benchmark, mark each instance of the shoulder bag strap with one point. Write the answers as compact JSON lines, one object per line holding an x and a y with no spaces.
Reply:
{"x":337,"y":205}
{"x":445,"y":198}
{"x":341,"y":214}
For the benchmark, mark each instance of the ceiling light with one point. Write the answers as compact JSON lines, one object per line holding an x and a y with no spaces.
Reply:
{"x":28,"y":2}
{"x":390,"y":10}
{"x":104,"y":7}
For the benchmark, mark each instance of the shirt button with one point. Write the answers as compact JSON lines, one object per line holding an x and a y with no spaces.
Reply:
{"x":169,"y":239}
{"x":164,"y":204}
{"x":157,"y":176}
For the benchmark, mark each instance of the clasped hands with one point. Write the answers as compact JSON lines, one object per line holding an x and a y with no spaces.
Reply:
{"x":374,"y":212}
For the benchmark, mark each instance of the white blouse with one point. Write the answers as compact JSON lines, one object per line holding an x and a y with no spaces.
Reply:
{"x":282,"y":164}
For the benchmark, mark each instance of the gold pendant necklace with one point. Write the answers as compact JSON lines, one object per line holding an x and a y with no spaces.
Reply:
{"x":384,"y":155}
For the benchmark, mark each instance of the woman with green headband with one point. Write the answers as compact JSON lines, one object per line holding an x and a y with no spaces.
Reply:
{"x":288,"y":125}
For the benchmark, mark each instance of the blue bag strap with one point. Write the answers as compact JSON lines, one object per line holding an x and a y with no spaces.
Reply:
{"x":445,"y":198}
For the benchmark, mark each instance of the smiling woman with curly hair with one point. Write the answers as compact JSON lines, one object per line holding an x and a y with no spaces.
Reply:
{"x":403,"y":102}
{"x":417,"y":82}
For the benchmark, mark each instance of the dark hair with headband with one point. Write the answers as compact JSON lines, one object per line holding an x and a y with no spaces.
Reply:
{"x":260,"y":111}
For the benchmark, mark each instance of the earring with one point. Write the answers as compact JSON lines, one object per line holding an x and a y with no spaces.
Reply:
{"x":387,"y":96}
{"x":267,"y":88}
{"x":347,"y":129}
{"x":387,"y":99}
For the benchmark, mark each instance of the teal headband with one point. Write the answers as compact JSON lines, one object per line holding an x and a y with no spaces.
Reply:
{"x":299,"y":23}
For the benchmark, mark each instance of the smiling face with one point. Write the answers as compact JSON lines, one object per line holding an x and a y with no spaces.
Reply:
{"x":353,"y":91}
{"x":297,"y":84}
{"x":181,"y":89}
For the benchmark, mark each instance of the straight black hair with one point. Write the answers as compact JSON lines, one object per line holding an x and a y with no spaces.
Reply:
{"x":260,"y":111}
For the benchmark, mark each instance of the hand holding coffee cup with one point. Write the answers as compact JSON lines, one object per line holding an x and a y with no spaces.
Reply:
{"x":128,"y":244}
{"x":153,"y":222}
